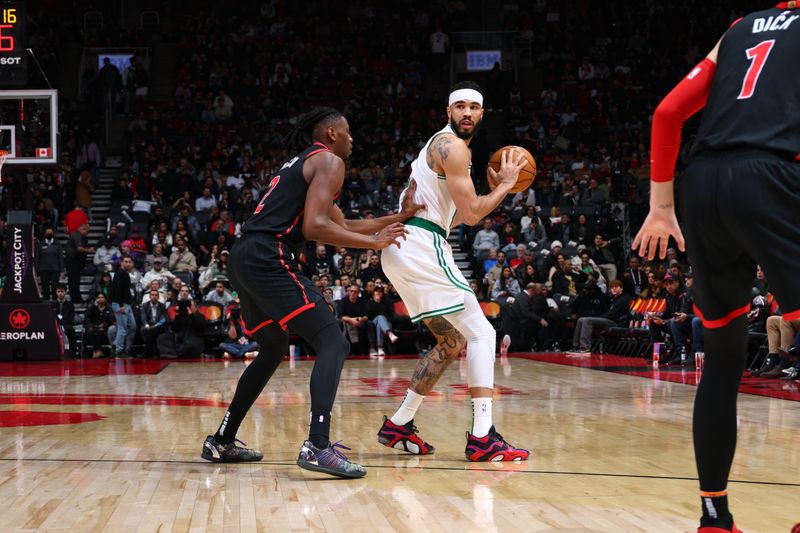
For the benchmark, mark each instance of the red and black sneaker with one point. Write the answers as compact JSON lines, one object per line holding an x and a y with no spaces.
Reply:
{"x":492,"y":447}
{"x":403,"y":438}
{"x":714,"y":529}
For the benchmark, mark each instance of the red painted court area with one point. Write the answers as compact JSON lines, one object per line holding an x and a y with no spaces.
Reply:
{"x":83,"y":367}
{"x":771,"y":388}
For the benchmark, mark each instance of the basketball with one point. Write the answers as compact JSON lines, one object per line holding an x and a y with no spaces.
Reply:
{"x":526,"y":175}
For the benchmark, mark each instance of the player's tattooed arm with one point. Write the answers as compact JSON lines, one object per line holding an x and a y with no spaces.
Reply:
{"x":431,"y":367}
{"x":440,"y":146}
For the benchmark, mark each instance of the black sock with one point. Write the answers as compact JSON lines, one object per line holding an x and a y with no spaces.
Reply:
{"x":715,"y":512}
{"x":320,"y":429}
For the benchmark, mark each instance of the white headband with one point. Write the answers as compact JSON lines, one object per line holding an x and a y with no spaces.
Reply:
{"x":465,"y":94}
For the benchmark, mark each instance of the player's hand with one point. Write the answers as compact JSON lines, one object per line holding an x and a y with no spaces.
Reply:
{"x":544,"y":323}
{"x":409,"y":206}
{"x":511,"y":162}
{"x":654,"y":236}
{"x":389,"y":235}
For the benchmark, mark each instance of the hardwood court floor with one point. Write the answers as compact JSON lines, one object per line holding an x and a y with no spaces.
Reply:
{"x":87,"y":449}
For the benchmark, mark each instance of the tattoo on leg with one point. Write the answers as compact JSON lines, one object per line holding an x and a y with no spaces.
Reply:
{"x":432,"y":366}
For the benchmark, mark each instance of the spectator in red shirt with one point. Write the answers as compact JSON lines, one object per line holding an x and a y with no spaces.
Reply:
{"x":75,"y":219}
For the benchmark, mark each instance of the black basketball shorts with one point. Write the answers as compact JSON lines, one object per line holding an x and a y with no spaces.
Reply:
{"x":270,"y":286}
{"x":740,"y":209}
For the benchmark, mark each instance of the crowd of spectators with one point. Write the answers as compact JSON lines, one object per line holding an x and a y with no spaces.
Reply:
{"x":197,"y":165}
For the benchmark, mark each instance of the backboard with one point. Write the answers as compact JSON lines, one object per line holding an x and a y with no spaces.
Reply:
{"x":29,"y":126}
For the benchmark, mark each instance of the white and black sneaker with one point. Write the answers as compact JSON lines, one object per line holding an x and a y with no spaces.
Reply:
{"x":217,"y":452}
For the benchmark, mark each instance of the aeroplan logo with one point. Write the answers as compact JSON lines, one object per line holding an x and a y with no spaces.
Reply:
{"x":19,"y":319}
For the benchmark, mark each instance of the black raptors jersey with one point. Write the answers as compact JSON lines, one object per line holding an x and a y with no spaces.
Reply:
{"x":755,"y":96}
{"x":280,"y":211}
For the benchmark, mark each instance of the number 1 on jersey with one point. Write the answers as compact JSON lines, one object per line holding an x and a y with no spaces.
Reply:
{"x":272,"y":185}
{"x":758,"y":57}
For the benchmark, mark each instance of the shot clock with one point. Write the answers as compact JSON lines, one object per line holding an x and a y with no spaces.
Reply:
{"x":13,"y":42}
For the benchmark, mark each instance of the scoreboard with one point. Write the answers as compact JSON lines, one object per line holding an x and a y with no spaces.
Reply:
{"x":13,"y":43}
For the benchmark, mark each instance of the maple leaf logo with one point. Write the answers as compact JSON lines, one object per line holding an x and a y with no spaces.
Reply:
{"x":19,"y":319}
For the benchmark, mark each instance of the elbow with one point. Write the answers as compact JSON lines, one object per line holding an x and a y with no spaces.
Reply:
{"x":470,"y":219}
{"x":312,"y":230}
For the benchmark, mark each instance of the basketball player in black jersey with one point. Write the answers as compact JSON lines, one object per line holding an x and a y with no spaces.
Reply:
{"x":299,"y":203}
{"x":740,"y":200}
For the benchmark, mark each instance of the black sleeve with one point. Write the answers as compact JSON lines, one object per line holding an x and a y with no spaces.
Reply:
{"x":68,"y":314}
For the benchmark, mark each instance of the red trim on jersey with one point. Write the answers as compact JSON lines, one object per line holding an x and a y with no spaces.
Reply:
{"x":290,"y":228}
{"x":788,"y":5}
{"x":794,"y":315}
{"x":724,"y":321}
{"x":289,"y":270}
{"x":249,"y":332}
{"x":735,"y":22}
{"x":294,"y":313}
{"x":318,"y":150}
{"x":686,"y":99}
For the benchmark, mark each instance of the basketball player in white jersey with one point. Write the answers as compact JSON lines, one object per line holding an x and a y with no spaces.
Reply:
{"x":433,"y":288}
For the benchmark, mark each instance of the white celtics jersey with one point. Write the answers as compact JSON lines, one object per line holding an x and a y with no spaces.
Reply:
{"x":432,"y":189}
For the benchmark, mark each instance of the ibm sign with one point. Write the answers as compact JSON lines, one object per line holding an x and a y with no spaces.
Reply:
{"x":483,"y":59}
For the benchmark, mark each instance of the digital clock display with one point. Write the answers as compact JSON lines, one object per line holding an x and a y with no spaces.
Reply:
{"x":13,"y":41}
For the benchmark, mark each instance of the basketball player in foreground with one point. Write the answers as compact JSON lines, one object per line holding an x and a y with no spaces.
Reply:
{"x":434,"y":290}
{"x":299,"y":204}
{"x":740,"y":200}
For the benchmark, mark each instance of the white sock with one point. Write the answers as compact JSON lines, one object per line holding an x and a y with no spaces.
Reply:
{"x":405,"y":413}
{"x":481,"y":416}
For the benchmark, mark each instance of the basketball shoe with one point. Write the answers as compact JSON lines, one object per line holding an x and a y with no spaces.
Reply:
{"x":403,"y":438}
{"x":216,"y":452}
{"x":492,"y":447}
{"x":504,"y":344}
{"x":713,"y":529}
{"x":329,"y":460}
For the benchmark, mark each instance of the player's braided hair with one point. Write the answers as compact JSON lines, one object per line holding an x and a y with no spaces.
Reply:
{"x":301,"y":135}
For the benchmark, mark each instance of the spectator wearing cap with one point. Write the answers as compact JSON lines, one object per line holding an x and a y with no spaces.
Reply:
{"x":157,"y":253}
{"x":157,"y":273}
{"x":219,"y":294}
{"x":618,"y":314}
{"x":659,"y":325}
{"x":486,"y":239}
{"x":107,"y":254}
{"x":685,"y":322}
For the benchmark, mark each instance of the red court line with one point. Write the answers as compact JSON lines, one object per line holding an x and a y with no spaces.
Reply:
{"x":83,"y":367}
{"x":44,"y":418}
{"x":630,"y":366}
{"x":106,"y":399}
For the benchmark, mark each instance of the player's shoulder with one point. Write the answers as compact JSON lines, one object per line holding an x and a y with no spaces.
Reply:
{"x":446,"y":143}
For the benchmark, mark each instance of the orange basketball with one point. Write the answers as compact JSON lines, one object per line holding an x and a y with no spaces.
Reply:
{"x":526,"y":175}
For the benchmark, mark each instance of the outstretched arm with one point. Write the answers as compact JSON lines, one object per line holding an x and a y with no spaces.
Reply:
{"x":370,"y":226}
{"x":325,"y":174}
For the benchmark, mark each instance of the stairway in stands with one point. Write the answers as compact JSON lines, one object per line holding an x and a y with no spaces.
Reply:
{"x":101,"y":211}
{"x":460,"y":255}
